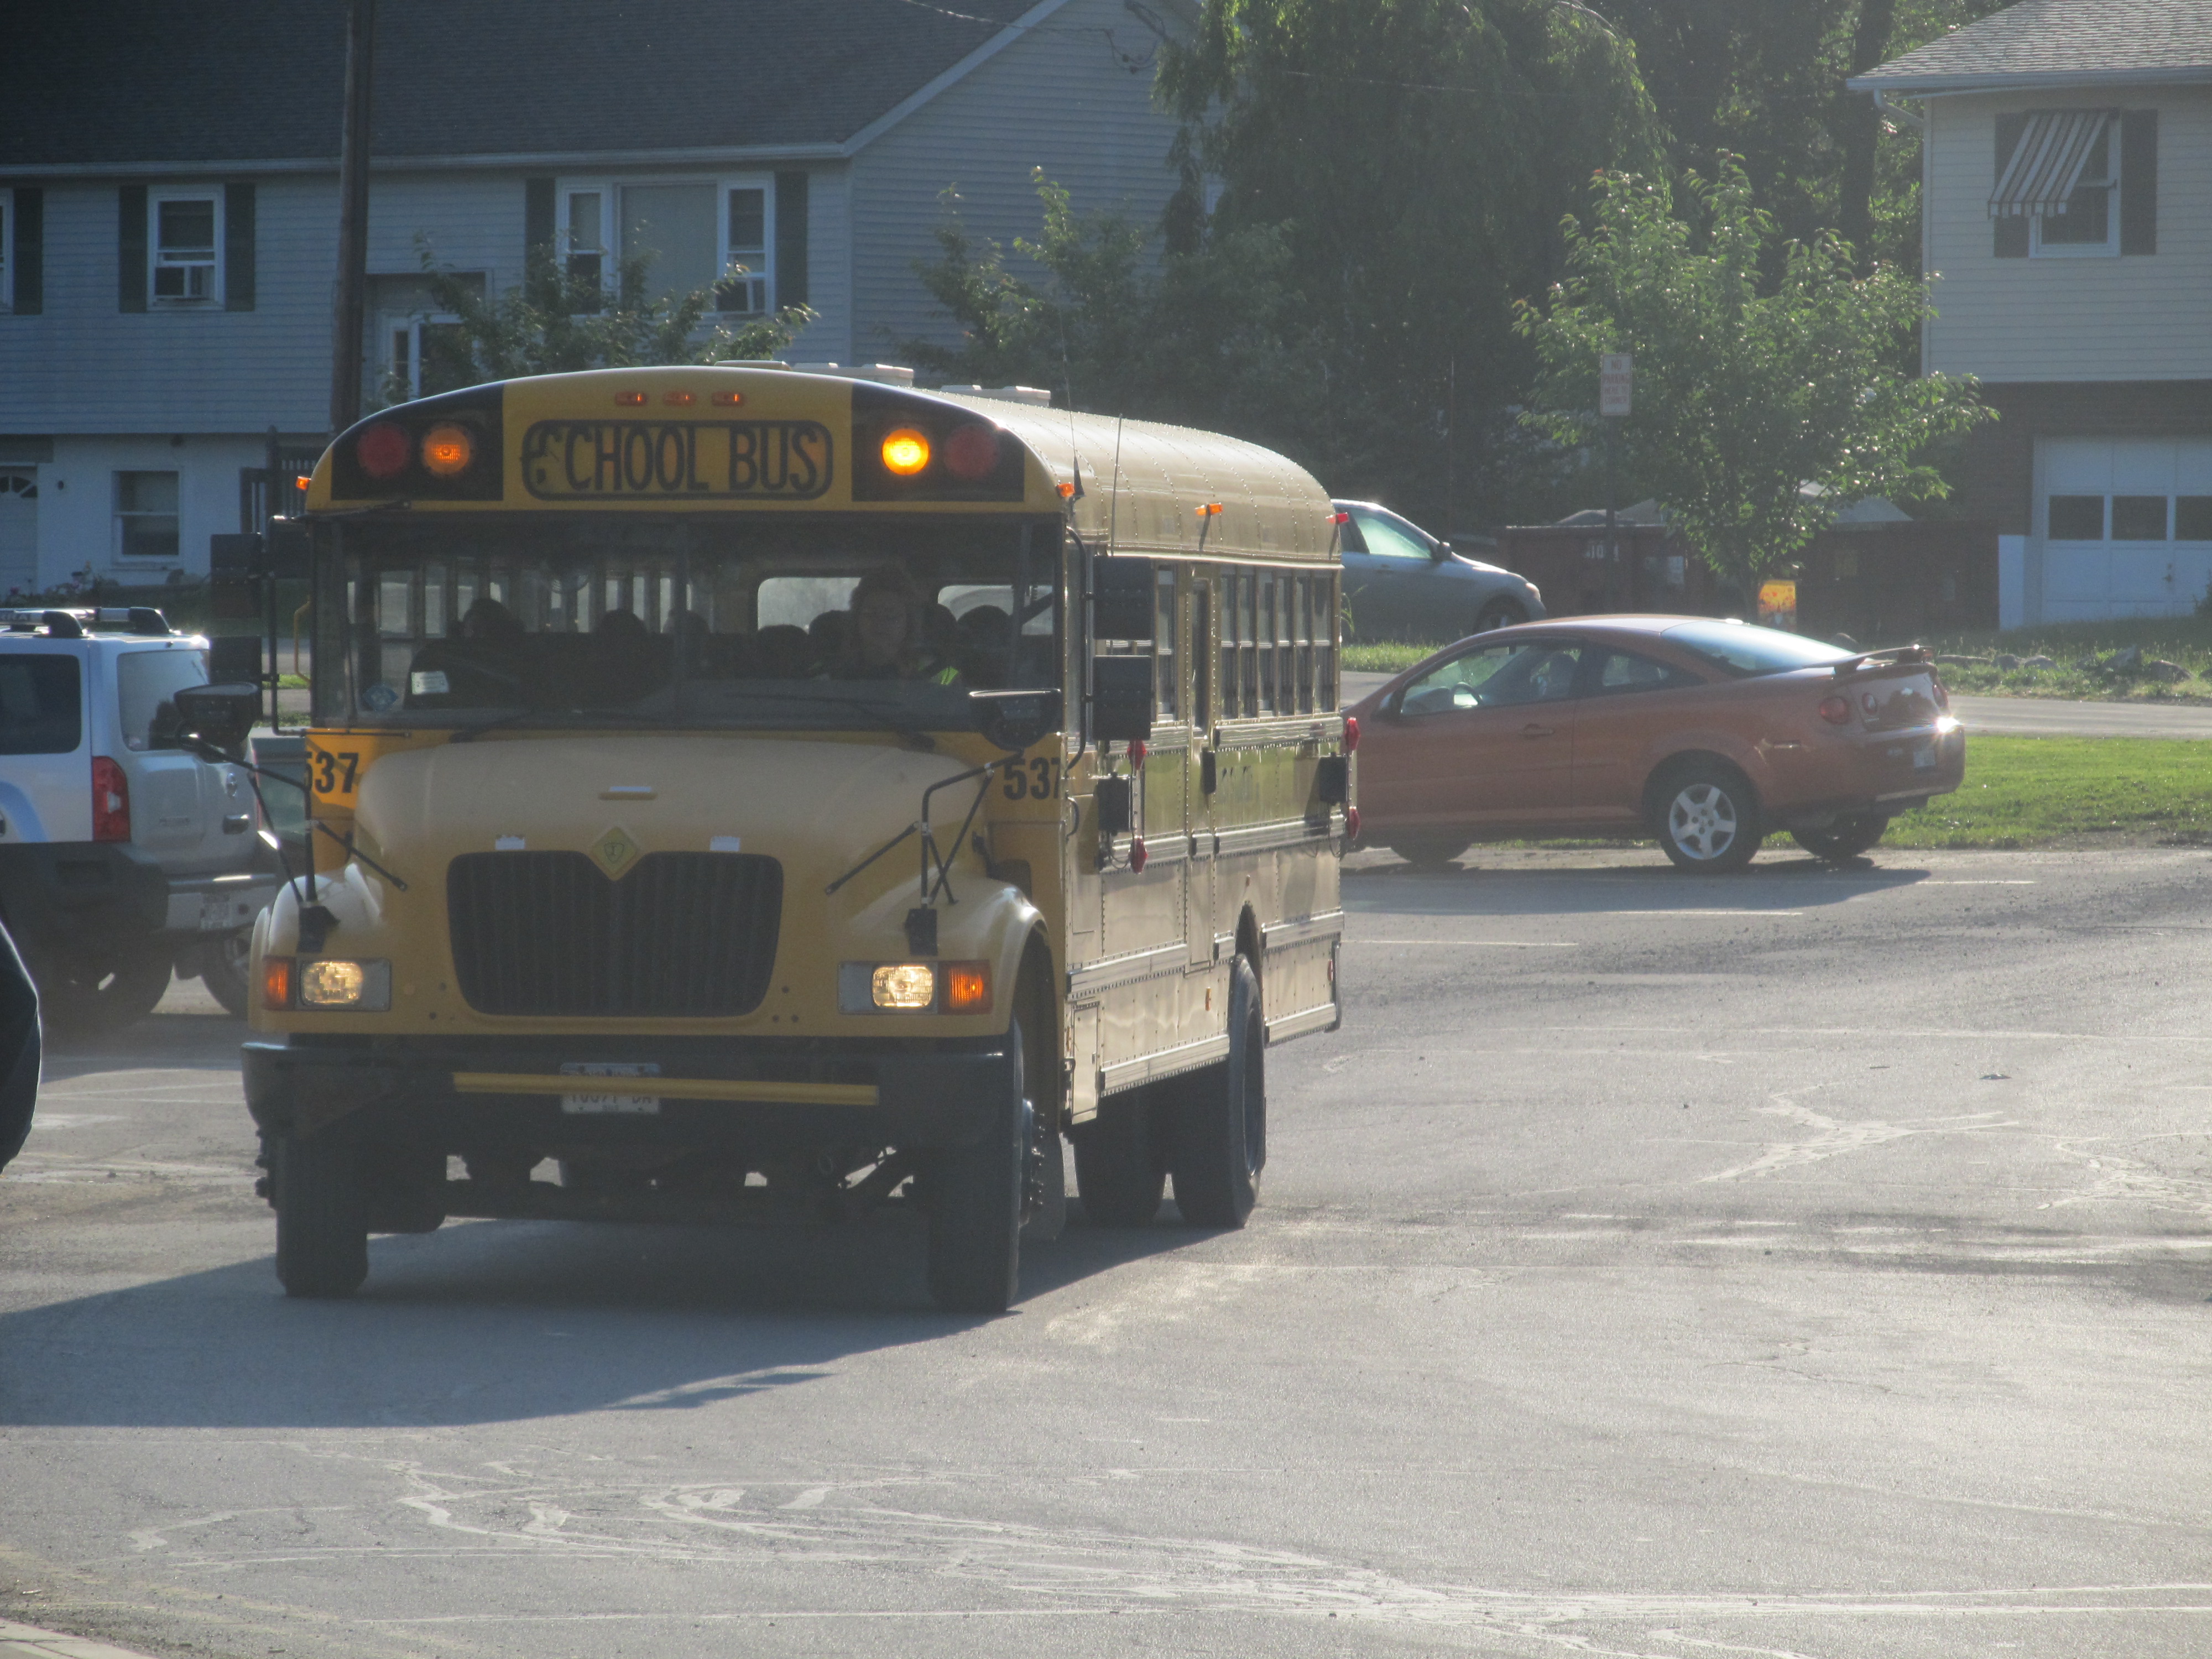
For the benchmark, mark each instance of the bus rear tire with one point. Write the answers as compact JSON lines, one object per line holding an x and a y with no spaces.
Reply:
{"x":975,"y":1194}
{"x":1119,"y":1173}
{"x":1220,"y":1135}
{"x":322,"y":1221}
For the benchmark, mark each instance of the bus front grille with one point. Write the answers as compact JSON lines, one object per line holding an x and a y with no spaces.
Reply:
{"x":682,"y":934}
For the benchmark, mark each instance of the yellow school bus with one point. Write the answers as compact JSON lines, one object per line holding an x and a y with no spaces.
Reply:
{"x":745,"y":794}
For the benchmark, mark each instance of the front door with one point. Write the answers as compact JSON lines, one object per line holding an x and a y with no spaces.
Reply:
{"x":1392,"y":587}
{"x":1482,"y":742}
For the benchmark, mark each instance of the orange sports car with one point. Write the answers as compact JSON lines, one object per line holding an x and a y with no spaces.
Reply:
{"x":1710,"y":735}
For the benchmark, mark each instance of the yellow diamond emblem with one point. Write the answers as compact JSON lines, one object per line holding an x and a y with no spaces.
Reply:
{"x":615,"y":852}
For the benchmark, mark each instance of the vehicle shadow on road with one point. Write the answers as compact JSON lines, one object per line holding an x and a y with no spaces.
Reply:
{"x":1601,"y":886}
{"x":164,"y":1041}
{"x":499,"y":1322}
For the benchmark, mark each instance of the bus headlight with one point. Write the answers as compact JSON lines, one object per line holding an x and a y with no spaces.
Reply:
{"x":913,"y":987}
{"x":335,"y":982}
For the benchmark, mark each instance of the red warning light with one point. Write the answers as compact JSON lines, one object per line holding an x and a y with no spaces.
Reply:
{"x":971,"y":455}
{"x":384,"y":450}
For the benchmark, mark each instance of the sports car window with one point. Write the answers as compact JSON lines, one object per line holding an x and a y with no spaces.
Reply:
{"x":1497,"y":677}
{"x":1387,"y":538}
{"x":1742,"y":649}
{"x":1622,"y":671}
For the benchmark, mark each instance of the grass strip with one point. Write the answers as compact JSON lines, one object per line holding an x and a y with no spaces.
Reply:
{"x":2025,"y":792}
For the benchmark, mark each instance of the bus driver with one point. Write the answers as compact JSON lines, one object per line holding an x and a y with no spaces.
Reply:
{"x":886,"y":640}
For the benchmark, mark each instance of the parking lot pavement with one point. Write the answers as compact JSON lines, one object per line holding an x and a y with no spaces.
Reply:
{"x":1810,"y":1263}
{"x":29,"y":1642}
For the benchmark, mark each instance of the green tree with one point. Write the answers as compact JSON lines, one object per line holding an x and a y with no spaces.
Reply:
{"x":1411,"y":159}
{"x":559,"y":319}
{"x":1745,"y":392}
{"x":1210,"y":337}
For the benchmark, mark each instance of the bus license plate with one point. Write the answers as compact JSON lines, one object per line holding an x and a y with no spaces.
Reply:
{"x":605,"y":1105}
{"x":1924,"y":755}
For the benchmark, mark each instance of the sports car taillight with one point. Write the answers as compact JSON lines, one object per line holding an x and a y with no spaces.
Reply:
{"x":1837,"y":711}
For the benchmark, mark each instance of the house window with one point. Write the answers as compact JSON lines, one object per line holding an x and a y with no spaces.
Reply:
{"x":184,"y":248}
{"x":585,"y":237}
{"x":715,"y":234}
{"x":424,"y":356}
{"x":2076,"y":519}
{"x":146,"y":515}
{"x":2085,"y":221}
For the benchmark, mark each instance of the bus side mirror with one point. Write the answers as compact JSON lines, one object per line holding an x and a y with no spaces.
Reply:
{"x":1121,"y":598}
{"x":1121,"y":699}
{"x":218,"y":716}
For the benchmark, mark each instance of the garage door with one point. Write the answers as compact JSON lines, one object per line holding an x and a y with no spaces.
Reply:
{"x":19,"y":533}
{"x":2125,"y":526}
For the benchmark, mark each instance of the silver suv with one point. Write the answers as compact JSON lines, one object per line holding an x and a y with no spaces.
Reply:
{"x":121,"y":857}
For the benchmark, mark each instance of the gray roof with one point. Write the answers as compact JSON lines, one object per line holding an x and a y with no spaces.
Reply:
{"x":2059,"y":43}
{"x":99,"y":84}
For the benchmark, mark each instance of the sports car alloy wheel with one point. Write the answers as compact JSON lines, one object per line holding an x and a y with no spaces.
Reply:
{"x":1702,"y":822}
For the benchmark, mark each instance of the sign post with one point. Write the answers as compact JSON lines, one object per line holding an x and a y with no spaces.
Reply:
{"x":1616,"y":374}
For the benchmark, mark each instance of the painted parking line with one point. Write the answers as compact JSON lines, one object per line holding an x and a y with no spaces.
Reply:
{"x":1489,"y":943}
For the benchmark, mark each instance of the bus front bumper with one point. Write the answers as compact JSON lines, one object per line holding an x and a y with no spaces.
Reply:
{"x":517,"y":1094}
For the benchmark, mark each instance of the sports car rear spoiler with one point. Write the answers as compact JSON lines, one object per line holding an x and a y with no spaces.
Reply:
{"x":1894,"y":656}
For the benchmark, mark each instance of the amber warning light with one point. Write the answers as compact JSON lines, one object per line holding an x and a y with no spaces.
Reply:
{"x":447,"y":450}
{"x":906,"y":451}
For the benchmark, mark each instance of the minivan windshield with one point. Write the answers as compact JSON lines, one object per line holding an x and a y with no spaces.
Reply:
{"x":683,"y":620}
{"x":1742,"y":649}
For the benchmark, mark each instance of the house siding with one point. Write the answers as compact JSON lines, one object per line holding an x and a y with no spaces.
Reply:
{"x":1061,"y":99}
{"x":2143,"y":317}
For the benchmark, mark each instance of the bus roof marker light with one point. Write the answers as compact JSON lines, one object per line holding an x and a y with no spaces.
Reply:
{"x":1212,"y":509}
{"x":1066,"y":489}
{"x":383,"y":450}
{"x":678,"y":399}
{"x":729,"y":399}
{"x":447,"y":450}
{"x":971,"y":453}
{"x":630,"y":399}
{"x":906,"y":453}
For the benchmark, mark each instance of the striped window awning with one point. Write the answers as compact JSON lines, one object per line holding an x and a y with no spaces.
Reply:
{"x":2046,"y":165}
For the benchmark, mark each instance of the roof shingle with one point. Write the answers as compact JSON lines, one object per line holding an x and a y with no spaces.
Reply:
{"x":2059,"y":42}
{"x":126,"y":82}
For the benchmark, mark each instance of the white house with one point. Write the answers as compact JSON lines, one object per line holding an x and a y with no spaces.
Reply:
{"x":2067,"y":210}
{"x":168,"y":203}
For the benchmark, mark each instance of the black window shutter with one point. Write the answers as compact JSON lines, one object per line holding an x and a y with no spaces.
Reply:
{"x":2139,"y":181}
{"x":238,"y":247}
{"x":29,"y":298}
{"x":790,"y":240}
{"x":537,"y":218}
{"x":131,"y":248}
{"x":2011,"y":229}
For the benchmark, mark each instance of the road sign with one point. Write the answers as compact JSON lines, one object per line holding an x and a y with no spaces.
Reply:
{"x":1616,"y":373}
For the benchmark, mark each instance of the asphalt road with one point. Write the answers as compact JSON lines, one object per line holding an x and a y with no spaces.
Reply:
{"x":2018,"y":717}
{"x":1809,"y":1264}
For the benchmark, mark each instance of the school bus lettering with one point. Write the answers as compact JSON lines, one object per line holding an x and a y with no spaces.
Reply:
{"x":336,"y":770}
{"x":575,"y":460}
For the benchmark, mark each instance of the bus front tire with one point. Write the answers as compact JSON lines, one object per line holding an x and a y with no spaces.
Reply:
{"x":322,"y":1221}
{"x":1220,"y":1139}
{"x":975,"y":1194}
{"x":1119,"y":1174}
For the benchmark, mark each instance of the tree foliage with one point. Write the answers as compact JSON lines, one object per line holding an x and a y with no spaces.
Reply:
{"x":1745,"y":391}
{"x":1411,"y":160}
{"x":557,"y":320}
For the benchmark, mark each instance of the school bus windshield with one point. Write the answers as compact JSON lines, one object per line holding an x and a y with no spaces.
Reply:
{"x":677,"y":620}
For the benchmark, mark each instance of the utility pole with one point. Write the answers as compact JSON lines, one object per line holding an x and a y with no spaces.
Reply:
{"x":1615,"y":373}
{"x":348,"y":323}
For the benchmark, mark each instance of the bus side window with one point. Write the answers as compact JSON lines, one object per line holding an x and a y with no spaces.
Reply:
{"x":1167,"y":669}
{"x":1264,"y":637}
{"x":1326,"y":618}
{"x":1201,"y":657}
{"x":1248,"y":640}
